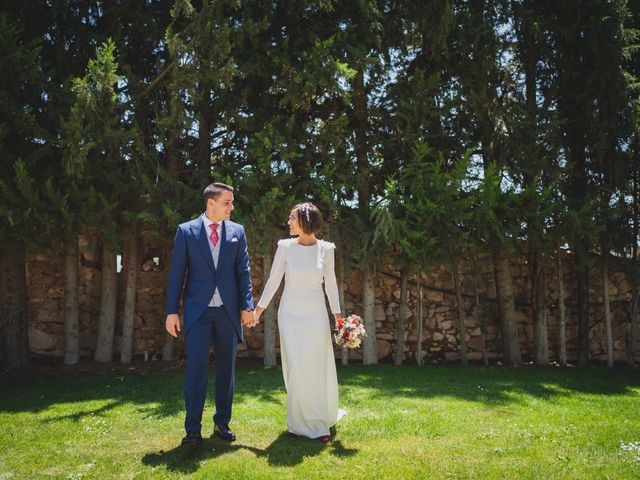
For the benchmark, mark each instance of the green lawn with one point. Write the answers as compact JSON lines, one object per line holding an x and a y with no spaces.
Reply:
{"x":407,"y":422}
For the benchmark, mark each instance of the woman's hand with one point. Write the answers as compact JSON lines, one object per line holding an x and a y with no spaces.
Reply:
{"x":256,"y":315}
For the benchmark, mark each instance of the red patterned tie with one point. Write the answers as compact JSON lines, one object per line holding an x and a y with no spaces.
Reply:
{"x":214,"y":234}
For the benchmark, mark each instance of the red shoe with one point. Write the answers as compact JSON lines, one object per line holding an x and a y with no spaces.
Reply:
{"x":325,"y":438}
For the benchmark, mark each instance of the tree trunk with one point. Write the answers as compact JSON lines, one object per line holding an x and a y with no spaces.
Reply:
{"x":483,"y":321}
{"x":174,"y":127}
{"x":173,"y":167}
{"x":533,"y":169}
{"x":461,"y":316}
{"x":269,"y":323}
{"x":370,"y":342}
{"x":562,"y":332}
{"x":361,"y":127}
{"x":344,"y":351}
{"x":169,"y":347}
{"x":540,"y":329}
{"x":170,"y":342}
{"x":402,"y":316}
{"x":633,"y":321}
{"x":14,"y":333}
{"x":506,"y":305}
{"x":633,"y":330}
{"x":107,"y":320}
{"x":71,"y":304}
{"x":573,"y":107}
{"x":419,"y":323}
{"x":607,"y":308}
{"x":128,"y":316}
{"x":583,"y":315}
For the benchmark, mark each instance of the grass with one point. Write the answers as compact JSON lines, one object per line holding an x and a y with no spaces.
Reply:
{"x":407,"y":422}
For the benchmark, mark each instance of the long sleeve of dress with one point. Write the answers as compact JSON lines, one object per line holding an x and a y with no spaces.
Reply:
{"x":275,"y":277}
{"x":330,"y":283}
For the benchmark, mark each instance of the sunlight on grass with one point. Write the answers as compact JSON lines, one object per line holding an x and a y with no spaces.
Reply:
{"x":434,"y":422}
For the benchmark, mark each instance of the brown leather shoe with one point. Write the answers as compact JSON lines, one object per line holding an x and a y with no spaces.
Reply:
{"x":224,"y":432}
{"x":324,"y":438}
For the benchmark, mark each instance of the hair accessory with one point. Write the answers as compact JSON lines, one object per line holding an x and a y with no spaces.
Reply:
{"x":306,"y":208}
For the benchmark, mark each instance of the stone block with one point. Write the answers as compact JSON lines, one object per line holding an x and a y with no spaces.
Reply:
{"x":44,"y":343}
{"x":437,"y":336}
{"x":474,"y":356}
{"x":433,"y":296}
{"x":451,"y":356}
{"x":445,"y":324}
{"x":384,"y":349}
{"x":475,"y":343}
{"x":254,"y":340}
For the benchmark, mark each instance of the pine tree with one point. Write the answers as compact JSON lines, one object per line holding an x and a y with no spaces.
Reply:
{"x":22,"y":226}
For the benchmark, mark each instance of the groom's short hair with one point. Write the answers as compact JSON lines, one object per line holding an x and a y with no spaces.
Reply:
{"x":214,"y":190}
{"x":309,"y":217}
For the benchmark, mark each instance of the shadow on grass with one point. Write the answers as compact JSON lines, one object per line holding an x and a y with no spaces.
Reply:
{"x":159,"y":394}
{"x":156,"y":394}
{"x":77,"y":416}
{"x":489,"y":385}
{"x":162,"y":392}
{"x":284,"y":451}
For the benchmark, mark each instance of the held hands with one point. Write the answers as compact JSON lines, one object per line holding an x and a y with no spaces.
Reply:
{"x":247,"y":318}
{"x":251,"y":319}
{"x":172,"y":324}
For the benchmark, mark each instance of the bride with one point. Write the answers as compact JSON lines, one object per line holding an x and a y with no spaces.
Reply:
{"x":306,"y":350}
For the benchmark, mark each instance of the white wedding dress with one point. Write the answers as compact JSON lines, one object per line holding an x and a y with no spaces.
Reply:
{"x":308,"y":363}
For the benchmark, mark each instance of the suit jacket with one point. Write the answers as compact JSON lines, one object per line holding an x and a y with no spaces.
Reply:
{"x":192,"y":268}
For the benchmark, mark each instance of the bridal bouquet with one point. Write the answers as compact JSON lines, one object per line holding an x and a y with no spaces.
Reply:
{"x":348,"y":331}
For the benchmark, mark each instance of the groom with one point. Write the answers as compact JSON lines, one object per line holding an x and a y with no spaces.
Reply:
{"x":210,"y":252}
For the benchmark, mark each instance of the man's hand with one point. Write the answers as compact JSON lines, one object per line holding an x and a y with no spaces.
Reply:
{"x":246,"y":318}
{"x":173,"y":324}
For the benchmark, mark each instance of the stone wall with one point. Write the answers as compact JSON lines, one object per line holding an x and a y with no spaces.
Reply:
{"x":440,"y":313}
{"x":45,"y":290}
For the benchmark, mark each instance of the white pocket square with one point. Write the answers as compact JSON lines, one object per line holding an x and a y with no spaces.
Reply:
{"x":234,"y":239}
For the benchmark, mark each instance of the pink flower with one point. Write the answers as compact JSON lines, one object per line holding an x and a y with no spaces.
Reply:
{"x":348,"y":331}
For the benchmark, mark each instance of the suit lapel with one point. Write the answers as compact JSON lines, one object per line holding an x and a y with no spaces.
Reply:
{"x":203,"y":239}
{"x":223,"y":242}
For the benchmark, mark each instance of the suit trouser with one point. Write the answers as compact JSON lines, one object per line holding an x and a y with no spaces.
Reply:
{"x":213,"y":327}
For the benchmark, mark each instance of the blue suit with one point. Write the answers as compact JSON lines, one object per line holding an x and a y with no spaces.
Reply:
{"x":194,"y":277}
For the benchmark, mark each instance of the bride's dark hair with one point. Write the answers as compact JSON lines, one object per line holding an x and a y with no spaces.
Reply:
{"x":309,"y":217}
